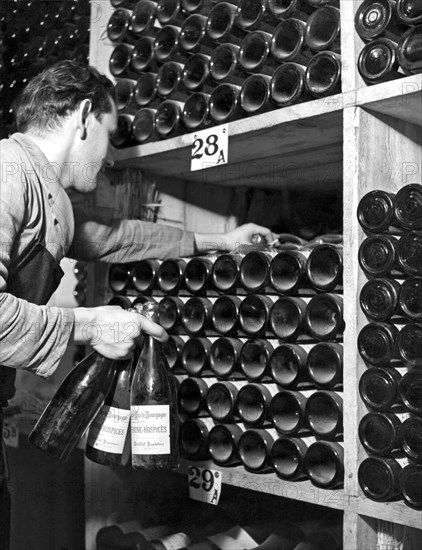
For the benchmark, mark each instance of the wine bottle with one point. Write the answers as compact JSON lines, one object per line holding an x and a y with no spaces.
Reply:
{"x":193,"y":6}
{"x":287,"y":411}
{"x":408,"y":206}
{"x":378,"y":18}
{"x":123,"y":137}
{"x":254,"y":358}
{"x":194,"y":434}
{"x":410,"y":387}
{"x":324,"y":414}
{"x":376,"y":211}
{"x":197,"y":274}
{"x":196,"y":315}
{"x":286,"y":9}
{"x":254,"y":53}
{"x":287,"y":268}
{"x":119,"y":277}
{"x":287,"y":365}
{"x":167,"y":45}
{"x":255,"y":94}
{"x":323,"y":29}
{"x":124,"y":95}
{"x":377,"y":255}
{"x":121,"y":301}
{"x":154,"y":419}
{"x":193,"y":37}
{"x":128,"y":534}
{"x":288,"y":42}
{"x":410,"y":344}
{"x":172,"y":349}
{"x":324,"y":464}
{"x":143,"y":125}
{"x":254,"y":449}
{"x":411,"y":485}
{"x":119,"y":27}
{"x":73,"y":406}
{"x":195,"y":76}
{"x":225,"y":272}
{"x":379,"y":298}
{"x":223,"y":441}
{"x":168,"y":118}
{"x":254,"y":15}
{"x":169,"y":12}
{"x":378,"y":433}
{"x":195,"y":354}
{"x":224,"y":64}
{"x":409,"y":253}
{"x":221,"y":24}
{"x":79,"y":293}
{"x":120,"y":61}
{"x":409,"y":12}
{"x":195,"y":111}
{"x":108,"y":432}
{"x":286,"y":317}
{"x":221,"y":400}
{"x":170,"y":275}
{"x":143,"y":17}
{"x":379,"y":388}
{"x":410,"y":298}
{"x":377,"y":61}
{"x":169,"y":81}
{"x":169,"y":312}
{"x":324,"y":267}
{"x":143,"y":275}
{"x":224,"y":314}
{"x":142,"y":55}
{"x":253,"y":401}
{"x":323,"y":74}
{"x":224,"y":103}
{"x":324,"y":365}
{"x":379,"y":478}
{"x":323,"y":318}
{"x":288,"y":457}
{"x":192,"y":395}
{"x":145,"y":89}
{"x":254,"y":269}
{"x":224,"y":356}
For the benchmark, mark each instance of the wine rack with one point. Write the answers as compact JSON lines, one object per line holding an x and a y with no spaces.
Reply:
{"x":368,"y":138}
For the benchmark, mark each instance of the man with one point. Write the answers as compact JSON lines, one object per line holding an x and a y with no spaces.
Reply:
{"x":65,"y":118}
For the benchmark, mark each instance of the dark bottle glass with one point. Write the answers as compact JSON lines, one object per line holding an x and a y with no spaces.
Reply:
{"x":254,"y":449}
{"x":253,"y":401}
{"x":285,"y":9}
{"x":288,"y":85}
{"x":124,"y":95}
{"x":378,"y":433}
{"x":410,"y":298}
{"x":376,"y":18}
{"x":221,"y":23}
{"x":379,"y":388}
{"x":377,"y":61}
{"x":254,"y":357}
{"x":224,"y":356}
{"x":409,"y":12}
{"x":379,"y":478}
{"x":254,"y":314}
{"x":408,"y":206}
{"x":224,"y":315}
{"x":73,"y":406}
{"x":288,"y":42}
{"x":221,"y":400}
{"x":223,"y":441}
{"x":121,"y":301}
{"x":411,"y":485}
{"x":143,"y":17}
{"x":323,"y":29}
{"x":169,"y":12}
{"x":145,"y":90}
{"x":79,"y":293}
{"x":130,"y":533}
{"x":324,"y":316}
{"x":195,"y":72}
{"x":169,"y":81}
{"x":143,"y":275}
{"x":324,"y":414}
{"x":194,"y":438}
{"x":142,"y":55}
{"x":324,"y":364}
{"x":120,"y":60}
{"x":123,"y":137}
{"x":143,"y":125}
{"x":286,"y":317}
{"x":377,"y":343}
{"x":167,"y":45}
{"x":288,"y":457}
{"x":410,"y":344}
{"x":224,"y":103}
{"x":379,"y":298}
{"x":195,"y":111}
{"x":287,"y":411}
{"x":119,"y":279}
{"x":172,"y":349}
{"x":377,"y":255}
{"x":287,"y":268}
{"x":193,"y":37}
{"x":168,"y":118}
{"x":409,"y":253}
{"x":192,"y":395}
{"x":324,"y":464}
{"x":255,"y":94}
{"x":192,"y":6}
{"x":254,"y":53}
{"x":410,"y":388}
{"x":287,"y":365}
{"x":224,"y":64}
{"x":254,"y":269}
{"x":196,"y":315}
{"x":169,"y":312}
{"x":108,"y":432}
{"x":323,"y":74}
{"x":170,"y":275}
{"x":324,"y":267}
{"x":119,"y":28}
{"x":376,"y":211}
{"x":410,"y":438}
{"x":153,"y":403}
{"x":195,"y":355}
{"x":197,"y":274}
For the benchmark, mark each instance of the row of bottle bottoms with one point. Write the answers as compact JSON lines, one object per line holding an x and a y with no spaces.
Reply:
{"x":285,"y":270}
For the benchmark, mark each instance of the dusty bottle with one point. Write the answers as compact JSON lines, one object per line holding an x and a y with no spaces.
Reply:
{"x":323,"y":318}
{"x":410,"y":298}
{"x":193,"y":37}
{"x":408,"y":207}
{"x":324,"y":464}
{"x":376,"y":211}
{"x":254,"y":269}
{"x":255,"y":94}
{"x":410,"y":344}
{"x":194,"y":434}
{"x":286,"y":317}
{"x":288,"y":42}
{"x":225,"y":272}
{"x":410,"y":388}
{"x":379,"y":478}
{"x":74,"y":405}
{"x":142,"y":55}
{"x":254,"y":358}
{"x":287,"y":411}
{"x":169,"y":12}
{"x":254,"y":54}
{"x":143,"y":17}
{"x":287,"y":268}
{"x":221,"y":400}
{"x":409,"y":253}
{"x":197,"y":274}
{"x":168,"y":118}
{"x":323,"y":74}
{"x":225,"y":104}
{"x":195,"y":352}
{"x":143,"y":275}
{"x":288,"y":457}
{"x":253,"y":401}
{"x":196,"y":315}
{"x":376,"y":18}
{"x":170,"y":275}
{"x":195,"y":111}
{"x":377,"y":61}
{"x":169,"y":312}
{"x":192,"y":395}
{"x":324,"y":364}
{"x":378,"y":255}
{"x":323,"y":29}
{"x":143,"y":125}
{"x":224,"y":64}
{"x":379,"y":298}
{"x":154,"y":418}
{"x":287,"y":365}
{"x":377,"y":343}
{"x":224,"y":356}
{"x":324,"y":267}
{"x":221,"y":24}
{"x":254,"y":449}
{"x":223,"y":443}
{"x":378,"y":433}
{"x":410,"y":437}
{"x":169,"y":81}
{"x":167,"y":45}
{"x":324,"y":414}
{"x":196,"y":71}
{"x":225,"y":313}
{"x":379,"y":388}
{"x":145,"y":90}
{"x":288,"y":85}
{"x":411,"y":485}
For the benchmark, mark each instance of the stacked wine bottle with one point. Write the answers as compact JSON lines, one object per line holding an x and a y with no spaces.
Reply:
{"x":392,"y":30}
{"x":181,"y":65}
{"x":391,"y":345}
{"x":255,"y":341}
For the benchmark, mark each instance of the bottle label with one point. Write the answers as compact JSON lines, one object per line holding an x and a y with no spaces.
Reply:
{"x":108,"y":430}
{"x":233,"y":539}
{"x":150,"y":429}
{"x":177,"y":540}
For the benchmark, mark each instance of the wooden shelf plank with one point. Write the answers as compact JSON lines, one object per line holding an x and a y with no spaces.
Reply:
{"x":394,"y":512}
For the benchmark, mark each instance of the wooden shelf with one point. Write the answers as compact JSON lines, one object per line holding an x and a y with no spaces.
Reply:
{"x":394,"y":512}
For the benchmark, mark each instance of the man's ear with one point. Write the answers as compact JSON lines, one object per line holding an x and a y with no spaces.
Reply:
{"x":83,"y":112}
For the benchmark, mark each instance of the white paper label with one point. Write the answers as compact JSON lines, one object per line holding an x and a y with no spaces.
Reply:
{"x":234,"y":539}
{"x":108,"y":430}
{"x":176,"y":541}
{"x":210,"y":147}
{"x":150,"y":429}
{"x":11,"y":434}
{"x":204,"y":484}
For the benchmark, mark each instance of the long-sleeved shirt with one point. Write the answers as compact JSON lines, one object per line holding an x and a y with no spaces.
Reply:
{"x":33,"y":205}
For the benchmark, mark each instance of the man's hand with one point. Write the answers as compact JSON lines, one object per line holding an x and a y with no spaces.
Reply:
{"x":229,"y":241}
{"x":113,"y":331}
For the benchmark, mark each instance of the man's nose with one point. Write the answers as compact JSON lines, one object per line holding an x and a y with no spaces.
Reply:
{"x":109,"y":161}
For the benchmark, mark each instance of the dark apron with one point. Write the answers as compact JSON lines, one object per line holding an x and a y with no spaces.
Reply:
{"x":34,"y":279}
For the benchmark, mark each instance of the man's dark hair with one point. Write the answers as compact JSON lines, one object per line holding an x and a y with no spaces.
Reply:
{"x":56,"y":92}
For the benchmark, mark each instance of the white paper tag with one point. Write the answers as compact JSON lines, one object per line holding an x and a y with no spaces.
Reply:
{"x":150,"y":429}
{"x":233,"y":539}
{"x":175,"y":541}
{"x":204,"y":484}
{"x":210,"y":147}
{"x":11,"y":434}
{"x":108,"y":430}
